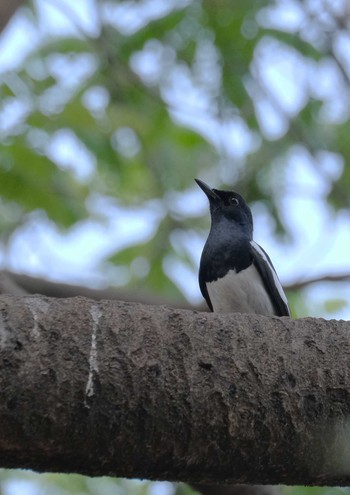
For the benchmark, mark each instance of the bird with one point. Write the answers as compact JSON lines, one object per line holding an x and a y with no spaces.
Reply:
{"x":236,"y":275}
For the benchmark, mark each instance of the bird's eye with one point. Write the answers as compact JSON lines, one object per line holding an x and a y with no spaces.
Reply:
{"x":233,"y":201}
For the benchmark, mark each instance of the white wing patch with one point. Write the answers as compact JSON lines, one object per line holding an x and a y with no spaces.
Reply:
{"x":241,"y":292}
{"x":272,"y":270}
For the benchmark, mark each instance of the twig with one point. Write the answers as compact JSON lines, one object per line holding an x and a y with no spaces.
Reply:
{"x":301,"y":284}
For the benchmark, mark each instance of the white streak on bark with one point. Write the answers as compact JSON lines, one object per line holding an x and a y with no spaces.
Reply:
{"x":93,"y":366}
{"x":37,"y":307}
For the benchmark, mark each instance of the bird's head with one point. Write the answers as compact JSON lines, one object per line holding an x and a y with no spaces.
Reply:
{"x":229,"y":205}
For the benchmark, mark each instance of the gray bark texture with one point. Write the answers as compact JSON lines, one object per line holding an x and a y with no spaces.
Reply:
{"x":124,"y":389}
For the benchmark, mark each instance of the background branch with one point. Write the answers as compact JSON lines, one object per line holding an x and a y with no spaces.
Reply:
{"x":301,"y":284}
{"x":20,"y":284}
{"x":7,"y":10}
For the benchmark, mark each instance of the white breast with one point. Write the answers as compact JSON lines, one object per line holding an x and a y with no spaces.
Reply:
{"x":241,"y":292}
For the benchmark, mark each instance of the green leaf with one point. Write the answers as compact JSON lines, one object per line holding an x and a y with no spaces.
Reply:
{"x":34,"y":182}
{"x":334,"y":305}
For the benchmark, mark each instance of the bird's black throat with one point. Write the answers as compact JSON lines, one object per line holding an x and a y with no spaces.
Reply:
{"x":227,"y":248}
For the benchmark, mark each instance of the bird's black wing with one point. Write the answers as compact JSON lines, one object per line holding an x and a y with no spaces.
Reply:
{"x":269,"y":277}
{"x":204,"y":290}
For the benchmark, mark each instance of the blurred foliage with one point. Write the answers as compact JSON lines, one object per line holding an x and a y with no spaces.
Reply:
{"x":315,"y":490}
{"x":157,"y":93}
{"x":28,"y":482}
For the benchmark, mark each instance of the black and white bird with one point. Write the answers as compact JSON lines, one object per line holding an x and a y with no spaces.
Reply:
{"x":235,"y":274}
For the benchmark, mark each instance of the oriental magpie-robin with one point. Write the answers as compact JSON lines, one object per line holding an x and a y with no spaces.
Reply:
{"x":235,"y":274}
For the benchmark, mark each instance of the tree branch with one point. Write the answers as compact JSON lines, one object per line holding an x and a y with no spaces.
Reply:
{"x":112,"y":388}
{"x":237,"y":489}
{"x":20,"y":284}
{"x":12,"y":283}
{"x":7,"y":10}
{"x":301,"y":284}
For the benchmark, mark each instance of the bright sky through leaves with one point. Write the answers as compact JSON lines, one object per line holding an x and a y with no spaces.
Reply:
{"x":286,"y":82}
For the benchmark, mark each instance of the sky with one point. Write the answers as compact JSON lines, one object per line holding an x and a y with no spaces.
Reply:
{"x":320,"y":239}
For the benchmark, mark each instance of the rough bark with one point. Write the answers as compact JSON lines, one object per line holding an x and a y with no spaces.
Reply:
{"x":112,"y":388}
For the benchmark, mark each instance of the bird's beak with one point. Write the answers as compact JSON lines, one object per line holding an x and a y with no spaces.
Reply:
{"x":207,"y":190}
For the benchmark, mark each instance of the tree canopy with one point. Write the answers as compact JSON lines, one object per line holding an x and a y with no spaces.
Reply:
{"x":115,"y":107}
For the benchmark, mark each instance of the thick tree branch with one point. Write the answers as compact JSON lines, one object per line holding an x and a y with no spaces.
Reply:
{"x":112,"y":388}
